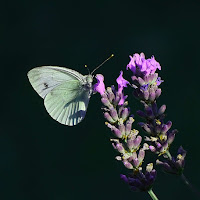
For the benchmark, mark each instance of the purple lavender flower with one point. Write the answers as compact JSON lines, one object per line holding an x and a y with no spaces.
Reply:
{"x":159,"y":134}
{"x":175,"y":165}
{"x":145,"y":80}
{"x":127,"y":140}
{"x":160,"y":137}
{"x":121,"y":82}
{"x":140,"y":181}
{"x":99,"y":86}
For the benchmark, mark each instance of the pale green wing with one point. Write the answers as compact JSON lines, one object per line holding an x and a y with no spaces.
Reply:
{"x":44,"y":79}
{"x":68,"y":102}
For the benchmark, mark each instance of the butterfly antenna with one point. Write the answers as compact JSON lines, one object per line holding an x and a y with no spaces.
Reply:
{"x":102,"y":63}
{"x":87,"y":68}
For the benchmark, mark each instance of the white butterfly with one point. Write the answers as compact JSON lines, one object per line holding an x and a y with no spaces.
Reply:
{"x":66,"y":92}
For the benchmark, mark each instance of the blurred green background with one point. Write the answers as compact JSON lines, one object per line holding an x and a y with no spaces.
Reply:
{"x":42,"y":159}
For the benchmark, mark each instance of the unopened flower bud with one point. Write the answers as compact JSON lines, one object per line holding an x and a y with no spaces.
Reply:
{"x":114,"y":114}
{"x":120,"y":148}
{"x":106,"y":102}
{"x":141,"y":81}
{"x":162,"y":110}
{"x":170,"y":138}
{"x":124,"y":113}
{"x":152,"y":148}
{"x":158,"y":92}
{"x":146,"y":95}
{"x":152,"y":95}
{"x":122,"y":128}
{"x":141,"y":155}
{"x":127,"y":164}
{"x":136,"y":162}
{"x":141,"y":114}
{"x":108,"y":117}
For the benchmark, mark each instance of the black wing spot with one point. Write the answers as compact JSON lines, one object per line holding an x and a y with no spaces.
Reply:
{"x":46,"y":85}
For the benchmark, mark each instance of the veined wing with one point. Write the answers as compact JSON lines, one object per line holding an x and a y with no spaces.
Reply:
{"x":44,"y":79}
{"x":68,"y":102}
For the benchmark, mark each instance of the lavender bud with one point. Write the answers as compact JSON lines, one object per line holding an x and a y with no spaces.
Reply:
{"x":146,"y":95}
{"x":120,"y":148}
{"x":125,"y":113}
{"x":130,"y":143}
{"x":117,"y":99}
{"x":158,"y":129}
{"x":152,"y":148}
{"x":137,"y":142}
{"x":149,"y":112}
{"x":104,"y":95}
{"x":141,"y":81}
{"x":124,"y":178}
{"x":165,"y":145}
{"x":165,"y":165}
{"x":158,"y":145}
{"x":121,"y":108}
{"x":141,"y":114}
{"x":170,"y":138}
{"x":127,"y":164}
{"x":113,"y":114}
{"x":169,"y":124}
{"x":154,"y":108}
{"x":166,"y":127}
{"x":141,"y":155}
{"x":111,"y":95}
{"x":136,"y":162}
{"x":122,"y":128}
{"x":106,"y":102}
{"x":158,"y":92}
{"x":145,"y":127}
{"x":162,"y":110}
{"x":152,"y":94}
{"x":129,"y":123}
{"x":117,"y":132}
{"x":108,"y":117}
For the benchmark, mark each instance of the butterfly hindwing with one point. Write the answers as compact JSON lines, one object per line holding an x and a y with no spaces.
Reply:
{"x":67,"y":103}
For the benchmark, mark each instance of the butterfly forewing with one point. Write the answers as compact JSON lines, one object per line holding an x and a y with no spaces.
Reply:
{"x":46,"y":78}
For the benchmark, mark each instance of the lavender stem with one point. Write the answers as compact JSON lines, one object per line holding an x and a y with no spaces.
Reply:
{"x":168,"y":154}
{"x":190,"y":185}
{"x":153,"y":196}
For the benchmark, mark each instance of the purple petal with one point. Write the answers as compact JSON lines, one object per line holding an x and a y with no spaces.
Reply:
{"x":99,"y":86}
{"x":121,"y":82}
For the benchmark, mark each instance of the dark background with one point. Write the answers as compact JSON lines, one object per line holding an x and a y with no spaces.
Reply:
{"x":42,"y":159}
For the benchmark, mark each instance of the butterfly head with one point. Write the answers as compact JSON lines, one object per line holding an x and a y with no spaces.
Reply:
{"x":89,"y":79}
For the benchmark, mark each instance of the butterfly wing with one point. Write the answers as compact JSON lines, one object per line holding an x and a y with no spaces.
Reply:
{"x":68,"y":102}
{"x":44,"y":79}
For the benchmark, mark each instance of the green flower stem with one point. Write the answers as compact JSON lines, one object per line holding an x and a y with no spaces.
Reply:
{"x":168,"y":154}
{"x":153,"y":196}
{"x":197,"y":193}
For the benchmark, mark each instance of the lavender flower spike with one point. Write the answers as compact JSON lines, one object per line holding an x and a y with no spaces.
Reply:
{"x":141,"y":181}
{"x":145,"y":80}
{"x":175,"y":165}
